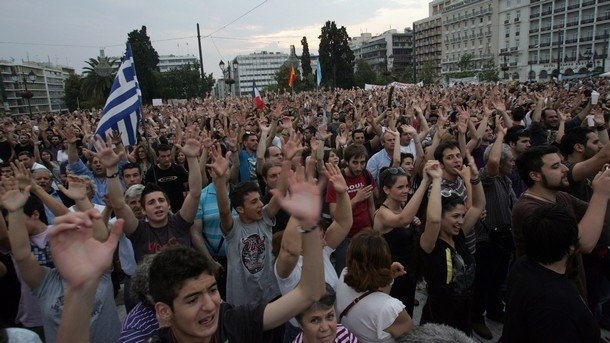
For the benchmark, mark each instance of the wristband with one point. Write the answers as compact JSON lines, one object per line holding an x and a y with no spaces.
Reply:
{"x":112,"y":176}
{"x":601,"y":127}
{"x":475,"y":181}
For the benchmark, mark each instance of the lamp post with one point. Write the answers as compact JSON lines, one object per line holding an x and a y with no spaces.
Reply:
{"x":25,"y":94}
{"x":226,"y":72}
{"x":559,"y":43}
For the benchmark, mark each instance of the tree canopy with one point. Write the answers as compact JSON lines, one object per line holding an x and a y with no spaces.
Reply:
{"x":336,"y":57}
{"x":146,"y":60}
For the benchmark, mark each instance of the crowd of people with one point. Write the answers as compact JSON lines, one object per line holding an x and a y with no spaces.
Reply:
{"x":314,"y":218}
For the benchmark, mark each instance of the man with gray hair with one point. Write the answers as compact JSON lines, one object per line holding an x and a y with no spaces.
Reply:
{"x":44,"y":179}
{"x":493,"y":234}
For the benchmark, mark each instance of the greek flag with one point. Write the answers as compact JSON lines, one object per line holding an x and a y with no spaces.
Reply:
{"x":122,"y":109}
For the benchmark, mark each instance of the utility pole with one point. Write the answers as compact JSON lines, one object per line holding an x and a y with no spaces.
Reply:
{"x":605,"y":51}
{"x":200,"y":61}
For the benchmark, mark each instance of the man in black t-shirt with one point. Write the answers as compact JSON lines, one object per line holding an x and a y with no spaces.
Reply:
{"x":542,"y":305}
{"x":171,"y":177}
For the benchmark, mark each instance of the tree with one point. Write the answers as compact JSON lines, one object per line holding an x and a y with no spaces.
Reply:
{"x":72,"y":92}
{"x":428,"y":73}
{"x":179,"y":83}
{"x":465,"y":67}
{"x":363,"y":74}
{"x":281,"y":80}
{"x":489,"y":73}
{"x":336,"y":57}
{"x":146,"y":60}
{"x":306,"y":65}
{"x":99,"y":76}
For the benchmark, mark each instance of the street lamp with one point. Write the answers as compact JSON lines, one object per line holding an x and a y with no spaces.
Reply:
{"x":226,"y":72}
{"x":25,"y":94}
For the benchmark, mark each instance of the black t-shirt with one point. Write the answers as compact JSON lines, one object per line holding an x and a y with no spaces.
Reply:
{"x":281,"y":217}
{"x":235,"y":324}
{"x":449,"y":277}
{"x":543,"y":306}
{"x":5,"y":151}
{"x":172,"y":181}
{"x":148,"y":240}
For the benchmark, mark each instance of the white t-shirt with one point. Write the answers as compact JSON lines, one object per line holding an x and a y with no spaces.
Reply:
{"x":288,"y":284}
{"x":370,"y":316}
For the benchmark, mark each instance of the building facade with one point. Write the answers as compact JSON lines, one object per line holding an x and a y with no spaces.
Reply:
{"x":256,"y":67}
{"x":428,"y":35}
{"x":569,"y":35}
{"x":391,"y":51}
{"x":47,"y":88}
{"x":169,"y":62}
{"x":469,"y":28}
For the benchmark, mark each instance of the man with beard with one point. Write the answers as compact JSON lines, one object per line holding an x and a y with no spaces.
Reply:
{"x":585,"y":156}
{"x":360,"y":188}
{"x":545,"y":176}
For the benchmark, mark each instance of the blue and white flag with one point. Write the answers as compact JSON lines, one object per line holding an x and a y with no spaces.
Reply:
{"x":122,"y":109}
{"x":318,"y":73}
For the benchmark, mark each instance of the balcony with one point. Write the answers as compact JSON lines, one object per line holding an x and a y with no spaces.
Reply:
{"x":572,"y":40}
{"x":534,"y":29}
{"x":586,"y":39}
{"x":543,"y":44}
{"x":514,"y":48}
{"x":534,"y":15}
{"x":546,"y":60}
{"x":547,"y":12}
{"x":506,"y":22}
{"x":546,"y":28}
{"x":587,"y":21}
{"x":557,"y":26}
{"x":503,"y":50}
{"x":516,"y":20}
{"x":572,"y":23}
{"x":513,"y":64}
{"x":573,"y":6}
{"x":531,"y":46}
{"x":588,"y":3}
{"x":603,"y":17}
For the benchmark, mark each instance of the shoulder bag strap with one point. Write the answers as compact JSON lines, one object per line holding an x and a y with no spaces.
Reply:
{"x":354,"y":302}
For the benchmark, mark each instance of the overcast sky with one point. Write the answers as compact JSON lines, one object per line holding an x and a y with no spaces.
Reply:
{"x":69,"y":32}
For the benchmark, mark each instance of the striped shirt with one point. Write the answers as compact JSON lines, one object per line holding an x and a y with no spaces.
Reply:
{"x":140,"y":324}
{"x":343,"y":336}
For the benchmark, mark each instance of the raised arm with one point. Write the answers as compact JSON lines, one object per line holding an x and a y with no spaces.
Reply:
{"x":219,"y":168}
{"x":495,"y":154}
{"x":592,"y":223}
{"x":343,"y":219}
{"x":478,"y":198}
{"x":191,"y":151}
{"x":428,"y":238}
{"x":305,"y":206}
{"x":81,"y":261}
{"x":110,"y":160}
{"x":13,"y":199}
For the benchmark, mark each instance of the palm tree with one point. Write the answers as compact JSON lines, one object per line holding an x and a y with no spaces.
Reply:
{"x":99,"y":75}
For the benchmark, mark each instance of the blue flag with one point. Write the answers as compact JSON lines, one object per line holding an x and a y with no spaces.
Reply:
{"x":122,"y":109}
{"x":318,"y":72}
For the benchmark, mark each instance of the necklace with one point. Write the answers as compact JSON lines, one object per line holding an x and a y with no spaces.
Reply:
{"x":539,"y":197}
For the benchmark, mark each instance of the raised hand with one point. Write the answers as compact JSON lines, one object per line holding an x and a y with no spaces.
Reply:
{"x":107,"y":156}
{"x":12,"y":197}
{"x":78,"y":256}
{"x":22,"y":175}
{"x":333,"y":174}
{"x":77,"y":188}
{"x":304,"y":202}
{"x":433,"y":169}
{"x":219,"y":164}
{"x":291,"y":146}
{"x":115,"y":136}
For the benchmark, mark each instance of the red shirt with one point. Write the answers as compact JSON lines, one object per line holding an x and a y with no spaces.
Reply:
{"x":360,"y":212}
